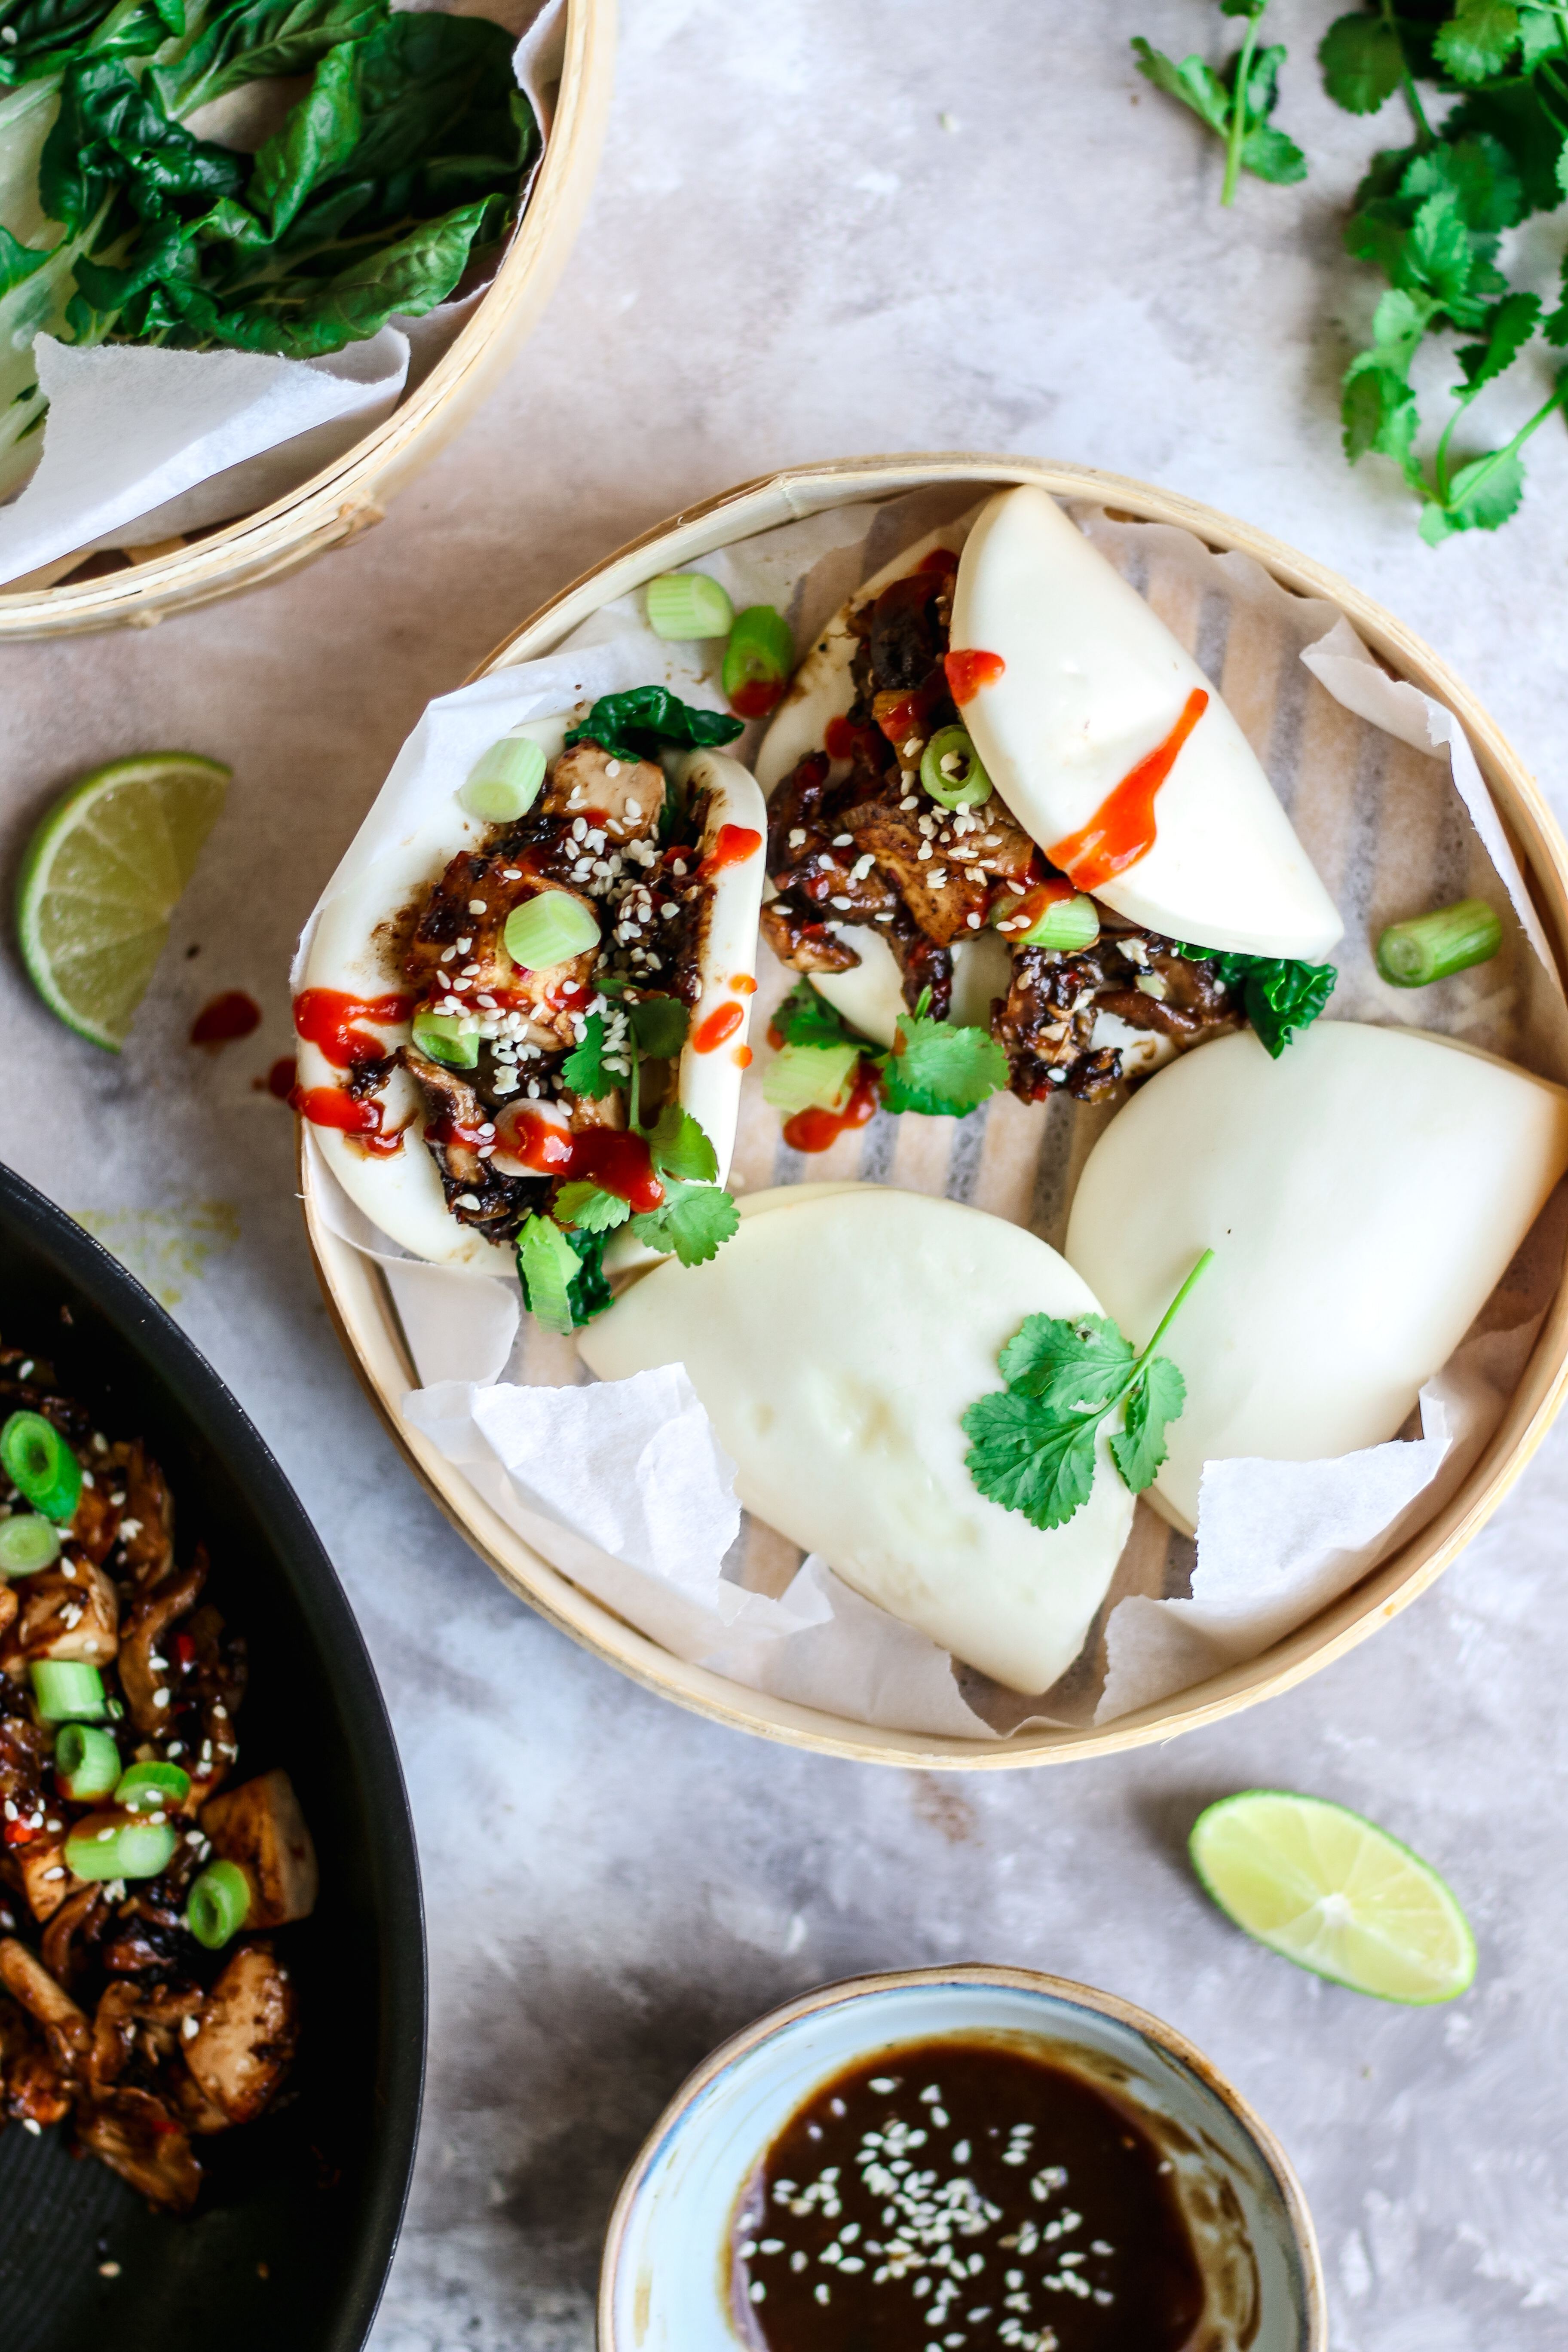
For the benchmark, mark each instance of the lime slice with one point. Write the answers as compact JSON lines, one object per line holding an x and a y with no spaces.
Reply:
{"x":102,"y":875}
{"x":1335,"y":1893}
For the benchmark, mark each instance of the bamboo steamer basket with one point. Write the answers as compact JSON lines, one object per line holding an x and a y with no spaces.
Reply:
{"x":338,"y":504}
{"x":367,"y":1322}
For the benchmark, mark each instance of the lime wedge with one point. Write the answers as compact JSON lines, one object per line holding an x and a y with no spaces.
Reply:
{"x":101,"y":876}
{"x":1335,"y":1893}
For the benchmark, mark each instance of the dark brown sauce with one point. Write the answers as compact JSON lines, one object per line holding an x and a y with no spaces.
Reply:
{"x":959,"y":2196}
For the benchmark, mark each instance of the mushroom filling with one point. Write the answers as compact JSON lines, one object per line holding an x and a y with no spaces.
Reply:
{"x":619,"y":859}
{"x":142,"y":1999}
{"x":855,"y":840}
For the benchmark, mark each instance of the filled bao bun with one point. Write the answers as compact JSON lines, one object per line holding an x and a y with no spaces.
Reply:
{"x":1093,"y":683}
{"x":836,"y":1342}
{"x":872,"y":996}
{"x":1362,"y":1196}
{"x":362,"y":949}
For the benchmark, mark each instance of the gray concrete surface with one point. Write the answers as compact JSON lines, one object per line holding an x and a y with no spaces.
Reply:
{"x":789,"y":256}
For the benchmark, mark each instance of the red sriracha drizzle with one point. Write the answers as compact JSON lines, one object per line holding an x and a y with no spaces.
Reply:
{"x":816,"y":1130}
{"x":1122,"y":828}
{"x":968,"y":671}
{"x":325,"y":1018}
{"x":842,"y":739}
{"x":734,"y":845}
{"x":232,"y":1014}
{"x":615,"y":1160}
{"x":330,"y":1106}
{"x":710,"y":1033}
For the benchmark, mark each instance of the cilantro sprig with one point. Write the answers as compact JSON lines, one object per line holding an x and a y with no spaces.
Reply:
{"x":1236,"y":102}
{"x":1034,"y":1441}
{"x":639,"y":723}
{"x":1278,"y":994}
{"x":934,"y":1066}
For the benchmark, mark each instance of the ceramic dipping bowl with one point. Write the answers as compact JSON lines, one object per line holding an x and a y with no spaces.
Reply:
{"x":666,"y":2283}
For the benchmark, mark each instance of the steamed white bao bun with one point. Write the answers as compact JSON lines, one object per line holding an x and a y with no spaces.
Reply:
{"x":836,"y":1342}
{"x":355,"y":951}
{"x":1362,"y":1196}
{"x":1093,"y":682}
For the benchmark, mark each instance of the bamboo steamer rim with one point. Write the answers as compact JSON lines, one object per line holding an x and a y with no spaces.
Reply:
{"x":1166,"y":2039}
{"x":362,"y":1309}
{"x":338,"y":504}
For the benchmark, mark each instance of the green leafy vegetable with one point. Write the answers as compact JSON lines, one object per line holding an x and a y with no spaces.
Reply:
{"x":584,"y":1070}
{"x":590,"y":1208}
{"x":693,"y":1221}
{"x":1236,"y":103}
{"x":634,"y":725}
{"x":679,"y":1147}
{"x":547,"y":1266}
{"x":1278,"y":994}
{"x":1363,"y":62}
{"x":806,"y":1018}
{"x":659,"y":1024}
{"x":1033,"y":1442}
{"x":268,"y":39}
{"x":939,"y":1069}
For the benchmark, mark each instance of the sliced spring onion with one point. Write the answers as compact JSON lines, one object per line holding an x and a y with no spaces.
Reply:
{"x":27,"y":1542}
{"x":810,"y":1078}
{"x":218,"y":1904}
{"x":443,"y":1038}
{"x":685,"y":605}
{"x":1066,"y":925}
{"x":68,"y":1690}
{"x":148,"y":1788}
{"x":108,"y":1846}
{"x":549,"y":930}
{"x":1430,"y":947}
{"x":758,"y":660}
{"x":951,"y":770}
{"x":88,"y":1762}
{"x":38,"y":1460}
{"x":503,"y":782}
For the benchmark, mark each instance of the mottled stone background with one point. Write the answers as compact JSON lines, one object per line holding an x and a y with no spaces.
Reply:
{"x":789,"y":257}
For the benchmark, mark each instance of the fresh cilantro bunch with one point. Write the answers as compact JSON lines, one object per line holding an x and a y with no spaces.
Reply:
{"x":1278,"y":994}
{"x":934,"y":1066}
{"x":1431,"y":217}
{"x":1034,"y":1441}
{"x":1236,"y":102}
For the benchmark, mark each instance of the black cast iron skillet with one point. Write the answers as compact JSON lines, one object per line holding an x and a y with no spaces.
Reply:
{"x":290,"y":2247}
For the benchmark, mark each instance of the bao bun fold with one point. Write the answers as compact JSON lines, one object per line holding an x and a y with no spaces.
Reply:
{"x":1362,"y":1196}
{"x":836,"y":1341}
{"x":1091,"y":684}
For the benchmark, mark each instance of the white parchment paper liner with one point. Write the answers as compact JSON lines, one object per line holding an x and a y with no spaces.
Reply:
{"x":1352,"y":751}
{"x":150,"y":444}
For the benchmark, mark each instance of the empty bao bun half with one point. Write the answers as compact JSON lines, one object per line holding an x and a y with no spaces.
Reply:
{"x":836,"y":1342}
{"x":1362,"y":1196}
{"x":1092,"y":682}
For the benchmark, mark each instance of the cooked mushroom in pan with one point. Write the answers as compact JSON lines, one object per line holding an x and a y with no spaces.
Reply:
{"x":143,"y":1999}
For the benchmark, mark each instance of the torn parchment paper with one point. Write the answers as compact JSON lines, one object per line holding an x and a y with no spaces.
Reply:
{"x":141,"y":444}
{"x":1392,"y":831}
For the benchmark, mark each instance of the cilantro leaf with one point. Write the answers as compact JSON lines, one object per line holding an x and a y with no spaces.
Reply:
{"x":1034,"y":1441}
{"x":679,"y":1147}
{"x":693,"y":1221}
{"x":1029,"y":1460}
{"x":1378,"y":411}
{"x":1509,"y":327}
{"x":1072,"y":1366}
{"x":1279,"y":994}
{"x":1478,"y":39}
{"x":1155,"y":1398}
{"x":1483,"y":494}
{"x":590,"y":1208}
{"x":806,"y":1016}
{"x":659,"y":1024}
{"x":942,"y":1071}
{"x":634,"y":725}
{"x":1269,"y":154}
{"x":1193,"y":82}
{"x":1363,"y":63}
{"x":583,"y":1068}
